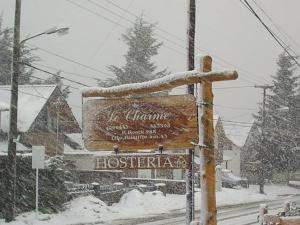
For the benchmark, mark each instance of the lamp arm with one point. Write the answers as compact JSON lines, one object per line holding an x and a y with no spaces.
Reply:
{"x":34,"y":36}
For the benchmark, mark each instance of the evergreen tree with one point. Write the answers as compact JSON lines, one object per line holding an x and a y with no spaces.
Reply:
{"x":5,"y":54}
{"x":58,"y":81}
{"x":142,"y":45}
{"x":6,"y":44}
{"x":280,"y":130}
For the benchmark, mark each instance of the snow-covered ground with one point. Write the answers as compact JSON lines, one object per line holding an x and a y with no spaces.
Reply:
{"x":85,"y":210}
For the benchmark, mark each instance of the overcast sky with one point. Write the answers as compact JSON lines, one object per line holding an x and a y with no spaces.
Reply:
{"x":225,"y":29}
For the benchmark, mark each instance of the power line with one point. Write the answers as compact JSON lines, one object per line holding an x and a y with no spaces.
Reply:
{"x":183,"y":41}
{"x":53,"y":74}
{"x":114,"y":13}
{"x":70,"y":60}
{"x":278,"y":27}
{"x":129,"y":21}
{"x":38,"y":96}
{"x":112,"y":30}
{"x":234,"y":87}
{"x":136,"y":16}
{"x":275,"y":37}
{"x":231,"y":107}
{"x":66,"y":72}
{"x":167,"y":39}
{"x":238,"y":122}
{"x":39,"y":78}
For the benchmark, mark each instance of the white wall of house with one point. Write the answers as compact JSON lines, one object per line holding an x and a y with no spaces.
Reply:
{"x":144,"y":173}
{"x":82,"y":161}
{"x":235,"y":163}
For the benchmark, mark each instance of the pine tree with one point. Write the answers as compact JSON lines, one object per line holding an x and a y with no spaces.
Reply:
{"x":58,"y":81}
{"x":5,"y":54}
{"x":280,"y":130}
{"x":6,"y":44}
{"x":284,"y":113}
{"x":142,"y":45}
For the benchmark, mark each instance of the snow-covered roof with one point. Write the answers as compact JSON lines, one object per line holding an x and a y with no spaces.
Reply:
{"x":31,"y":99}
{"x":20,"y":147}
{"x":76,"y":137}
{"x":237,"y":133}
{"x":70,"y":151}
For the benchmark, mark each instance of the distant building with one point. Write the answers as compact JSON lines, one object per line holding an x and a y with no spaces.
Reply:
{"x":231,"y":138}
{"x":44,"y":117}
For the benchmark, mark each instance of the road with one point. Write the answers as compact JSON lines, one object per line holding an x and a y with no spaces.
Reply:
{"x":245,"y":214}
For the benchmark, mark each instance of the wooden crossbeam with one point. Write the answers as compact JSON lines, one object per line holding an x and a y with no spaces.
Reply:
{"x":164,"y":83}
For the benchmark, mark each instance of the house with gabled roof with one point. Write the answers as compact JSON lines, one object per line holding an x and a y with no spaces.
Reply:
{"x":232,"y":157}
{"x":44,"y":117}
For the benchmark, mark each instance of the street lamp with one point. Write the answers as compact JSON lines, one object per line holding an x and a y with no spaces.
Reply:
{"x":53,"y":30}
{"x":13,"y":111}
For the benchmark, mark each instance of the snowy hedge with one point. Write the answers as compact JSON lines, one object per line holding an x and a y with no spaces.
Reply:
{"x":52,"y":192}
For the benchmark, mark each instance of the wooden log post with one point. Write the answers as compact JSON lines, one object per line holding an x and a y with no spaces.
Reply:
{"x":208,"y":191}
{"x":206,"y":142}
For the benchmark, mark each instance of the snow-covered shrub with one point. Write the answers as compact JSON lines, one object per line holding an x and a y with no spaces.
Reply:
{"x":52,"y":192}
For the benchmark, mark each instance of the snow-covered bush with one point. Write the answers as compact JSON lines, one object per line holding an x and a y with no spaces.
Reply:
{"x":52,"y":192}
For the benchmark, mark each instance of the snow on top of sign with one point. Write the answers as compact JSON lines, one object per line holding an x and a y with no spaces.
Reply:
{"x":31,"y":100}
{"x":125,"y":87}
{"x":152,"y":83}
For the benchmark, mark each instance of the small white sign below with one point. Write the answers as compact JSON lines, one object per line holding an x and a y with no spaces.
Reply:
{"x":38,"y":157}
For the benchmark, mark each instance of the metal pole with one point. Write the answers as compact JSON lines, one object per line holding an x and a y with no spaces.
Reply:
{"x":13,"y":113}
{"x":190,"y":64}
{"x":37,"y":193}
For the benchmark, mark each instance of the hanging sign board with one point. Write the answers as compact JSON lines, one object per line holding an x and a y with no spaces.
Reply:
{"x":141,"y":161}
{"x":140,"y":123}
{"x":38,"y":157}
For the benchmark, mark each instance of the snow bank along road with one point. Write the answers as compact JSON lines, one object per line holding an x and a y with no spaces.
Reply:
{"x":245,"y":214}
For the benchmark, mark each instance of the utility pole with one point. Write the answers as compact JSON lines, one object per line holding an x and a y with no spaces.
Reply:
{"x":261,"y":178}
{"x":190,"y":64}
{"x":13,"y":113}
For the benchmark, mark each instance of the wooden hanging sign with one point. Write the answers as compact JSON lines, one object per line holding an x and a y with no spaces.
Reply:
{"x":140,"y":123}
